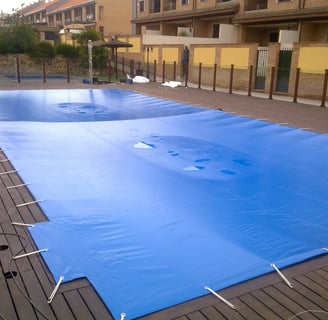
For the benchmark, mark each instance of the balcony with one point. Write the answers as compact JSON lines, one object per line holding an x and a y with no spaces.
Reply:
{"x":169,"y":5}
{"x":252,"y":5}
{"x":90,"y":17}
{"x":155,"y":6}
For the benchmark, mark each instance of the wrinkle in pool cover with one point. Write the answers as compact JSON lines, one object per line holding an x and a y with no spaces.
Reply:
{"x":153,"y":200}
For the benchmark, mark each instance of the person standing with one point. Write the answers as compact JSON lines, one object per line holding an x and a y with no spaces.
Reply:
{"x":184,"y":61}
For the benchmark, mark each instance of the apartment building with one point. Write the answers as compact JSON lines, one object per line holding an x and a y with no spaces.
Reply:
{"x":197,"y":18}
{"x":283,"y":21}
{"x":65,"y":17}
{"x":258,"y":21}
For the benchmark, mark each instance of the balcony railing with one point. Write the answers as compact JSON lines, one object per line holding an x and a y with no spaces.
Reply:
{"x":90,"y":17}
{"x":256,"y":5}
{"x":155,"y":6}
{"x":170,"y":5}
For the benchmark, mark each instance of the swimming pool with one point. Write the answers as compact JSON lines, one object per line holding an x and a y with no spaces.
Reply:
{"x":153,"y":199}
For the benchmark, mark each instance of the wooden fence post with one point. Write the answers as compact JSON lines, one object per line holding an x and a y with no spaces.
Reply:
{"x":250,"y":81}
{"x":132,"y":68}
{"x":297,"y":79}
{"x":186,"y":75}
{"x":174,"y":70}
{"x":163,"y":71}
{"x":43,"y":70}
{"x":123,"y":63}
{"x":231,"y":78}
{"x":18,"y":69}
{"x":67,"y":71}
{"x":324,"y":91}
{"x":199,"y":75}
{"x":155,"y":70}
{"x":109,"y":73}
{"x":273,"y":70}
{"x":214,"y":76}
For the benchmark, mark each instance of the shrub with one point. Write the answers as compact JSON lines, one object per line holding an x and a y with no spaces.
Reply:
{"x":43,"y":49}
{"x":3,"y":46}
{"x":67,"y":50}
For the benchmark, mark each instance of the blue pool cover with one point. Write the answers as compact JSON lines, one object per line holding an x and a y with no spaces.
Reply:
{"x":152,"y":199}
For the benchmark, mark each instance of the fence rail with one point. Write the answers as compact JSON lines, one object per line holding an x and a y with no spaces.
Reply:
{"x":232,"y":78}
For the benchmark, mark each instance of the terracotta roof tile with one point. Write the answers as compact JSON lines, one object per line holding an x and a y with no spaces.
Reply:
{"x":52,"y":6}
{"x":34,"y":7}
{"x":66,"y":4}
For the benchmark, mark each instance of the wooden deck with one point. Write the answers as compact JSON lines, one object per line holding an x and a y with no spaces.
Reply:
{"x":24,"y":296}
{"x":26,"y":283}
{"x":267,"y":297}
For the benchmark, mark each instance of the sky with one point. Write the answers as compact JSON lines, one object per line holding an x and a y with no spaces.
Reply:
{"x":7,"y":6}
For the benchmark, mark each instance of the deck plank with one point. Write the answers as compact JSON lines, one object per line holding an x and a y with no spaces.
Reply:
{"x":318,"y":279}
{"x":245,"y":310}
{"x":311,"y":290}
{"x":79,"y":308}
{"x":95,"y":305}
{"x":212,"y":314}
{"x":323,"y":274}
{"x":36,"y":294}
{"x":228,"y":312}
{"x":7,"y":307}
{"x":272,"y":304}
{"x":33,"y":275}
{"x":196,"y":316}
{"x":288,"y":299}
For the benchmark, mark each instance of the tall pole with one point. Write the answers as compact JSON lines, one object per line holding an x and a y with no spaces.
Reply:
{"x":147,"y":62}
{"x":90,"y":60}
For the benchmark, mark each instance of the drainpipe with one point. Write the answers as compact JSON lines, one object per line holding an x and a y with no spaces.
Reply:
{"x":301,"y":5}
{"x":193,"y":19}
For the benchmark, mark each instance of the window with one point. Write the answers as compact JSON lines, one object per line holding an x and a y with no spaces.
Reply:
{"x":215,"y":30}
{"x":141,"y":5}
{"x":51,"y":20}
{"x":274,"y":36}
{"x":101,"y":12}
{"x":172,"y":5}
{"x":256,"y":5}
{"x":101,"y":31}
{"x":78,"y":14}
{"x":155,"y":6}
{"x":49,"y":35}
{"x":184,"y":2}
{"x":90,"y":12}
{"x":58,"y":19}
{"x":68,"y":17}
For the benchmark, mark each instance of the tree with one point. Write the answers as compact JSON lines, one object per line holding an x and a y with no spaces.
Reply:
{"x":43,"y":49}
{"x":22,"y":38}
{"x":99,"y":54}
{"x":3,"y":41}
{"x":67,"y":50}
{"x":83,"y":37}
